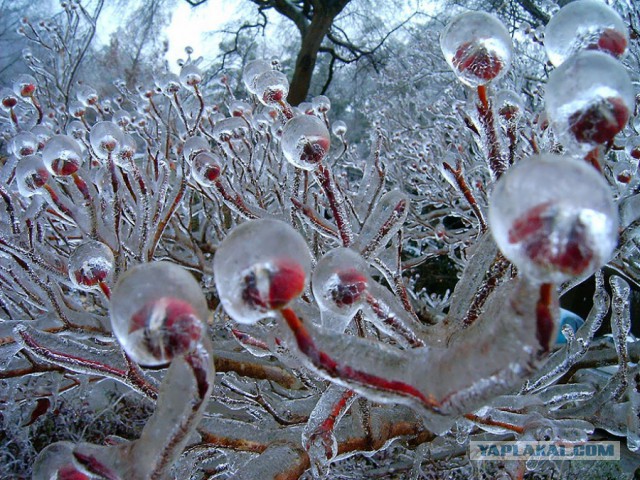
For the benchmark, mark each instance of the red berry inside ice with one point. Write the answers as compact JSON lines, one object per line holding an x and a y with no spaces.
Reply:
{"x":273,"y":285}
{"x":169,"y":327}
{"x":599,"y":122}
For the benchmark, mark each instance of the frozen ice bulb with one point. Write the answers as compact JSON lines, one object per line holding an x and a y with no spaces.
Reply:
{"x":340,"y":282}
{"x":62,"y":155}
{"x":477,"y":47}
{"x":24,"y":85}
{"x":585,"y":25}
{"x":31,"y":175}
{"x":554,"y":218}
{"x":339,"y":128}
{"x":260,"y":267}
{"x":90,"y":265}
{"x":251,"y":71}
{"x":87,"y":95}
{"x":305,"y":141}
{"x":589,"y":99}
{"x":169,"y":83}
{"x":8,"y":99}
{"x":271,"y":87}
{"x":157,"y":310}
{"x":24,"y":144}
{"x":106,"y":138}
{"x":205,"y":168}
{"x":190,"y":75}
{"x":509,"y":105}
{"x":193,"y":146}
{"x":43,"y":134}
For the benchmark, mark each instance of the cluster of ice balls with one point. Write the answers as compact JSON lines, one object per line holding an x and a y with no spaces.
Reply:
{"x":555,"y":218}
{"x":589,"y":96}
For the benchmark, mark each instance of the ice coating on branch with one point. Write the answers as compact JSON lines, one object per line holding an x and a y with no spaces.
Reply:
{"x":260,"y":267}
{"x":554,"y":218}
{"x":251,"y":71}
{"x":585,"y":25}
{"x":205,"y":168}
{"x":305,"y":141}
{"x":90,"y":265}
{"x":340,"y":282}
{"x":157,"y":310}
{"x":477,"y":47}
{"x":568,"y":320}
{"x":271,"y":87}
{"x":106,"y":138}
{"x":383,"y":223}
{"x":589,"y":99}
{"x":31,"y":175}
{"x":62,"y":155}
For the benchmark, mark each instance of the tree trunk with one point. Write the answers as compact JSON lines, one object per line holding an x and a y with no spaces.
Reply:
{"x":308,"y":55}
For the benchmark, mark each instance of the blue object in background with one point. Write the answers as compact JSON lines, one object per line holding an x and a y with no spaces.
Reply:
{"x":568,"y":318}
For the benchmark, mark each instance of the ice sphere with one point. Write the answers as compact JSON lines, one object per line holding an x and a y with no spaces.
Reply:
{"x":340,"y":281}
{"x":87,"y":95}
{"x":205,"y":168}
{"x":229,"y":128}
{"x":321,"y":103}
{"x":157,"y":310}
{"x":62,"y":155}
{"x":43,"y":134}
{"x":570,"y":319}
{"x":126,"y":152}
{"x":169,"y":83}
{"x":632,"y":147}
{"x":271,"y":87}
{"x":24,"y":85}
{"x":339,"y":128}
{"x":31,"y":175}
{"x":585,"y":25}
{"x":477,"y":47}
{"x":190,"y":75}
{"x":106,"y":138}
{"x":554,"y":218}
{"x":260,"y":267}
{"x":8,"y":99}
{"x":509,"y":105}
{"x":251,"y":71}
{"x":238,"y":108}
{"x":589,"y":99}
{"x":193,"y":146}
{"x":77,"y":109}
{"x":76,"y":129}
{"x":91,"y":264}
{"x":24,"y":144}
{"x":305,"y":141}
{"x":122,"y":118}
